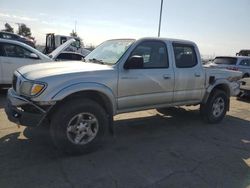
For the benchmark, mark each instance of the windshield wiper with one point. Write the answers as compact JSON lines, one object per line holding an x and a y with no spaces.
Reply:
{"x":94,"y":60}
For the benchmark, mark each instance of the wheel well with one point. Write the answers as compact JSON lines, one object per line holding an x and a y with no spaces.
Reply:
{"x":245,"y":75}
{"x":96,"y":96}
{"x":222,"y":87}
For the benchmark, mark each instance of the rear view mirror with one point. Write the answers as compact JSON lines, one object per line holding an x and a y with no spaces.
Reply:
{"x":33,"y":56}
{"x":134,"y":62}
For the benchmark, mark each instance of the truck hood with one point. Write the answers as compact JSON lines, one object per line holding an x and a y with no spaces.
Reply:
{"x":61,"y":48}
{"x":39,"y":71}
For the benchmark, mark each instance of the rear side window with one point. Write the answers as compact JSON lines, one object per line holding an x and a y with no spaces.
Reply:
{"x":245,"y":62}
{"x":225,"y":60}
{"x":12,"y":50}
{"x":185,"y":56}
{"x":6,"y":36}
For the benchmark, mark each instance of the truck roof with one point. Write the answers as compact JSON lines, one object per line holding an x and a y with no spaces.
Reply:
{"x":159,"y":38}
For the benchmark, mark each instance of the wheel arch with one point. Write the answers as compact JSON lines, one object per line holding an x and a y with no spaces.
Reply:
{"x":100,"y":94}
{"x":219,"y":86}
{"x":246,"y":75}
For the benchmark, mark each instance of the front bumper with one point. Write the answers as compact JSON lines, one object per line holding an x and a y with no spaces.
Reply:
{"x":17,"y":115}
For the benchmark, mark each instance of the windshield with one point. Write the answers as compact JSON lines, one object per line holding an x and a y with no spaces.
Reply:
{"x":110,"y":51}
{"x":225,"y":60}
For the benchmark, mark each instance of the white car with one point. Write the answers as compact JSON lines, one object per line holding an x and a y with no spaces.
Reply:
{"x":237,"y":63}
{"x":14,"y":54}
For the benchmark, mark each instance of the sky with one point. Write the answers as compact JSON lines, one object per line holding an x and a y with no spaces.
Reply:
{"x":219,"y":27}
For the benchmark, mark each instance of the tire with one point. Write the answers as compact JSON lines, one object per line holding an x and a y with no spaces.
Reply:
{"x":245,"y":76}
{"x":216,"y":107}
{"x":78,"y":126}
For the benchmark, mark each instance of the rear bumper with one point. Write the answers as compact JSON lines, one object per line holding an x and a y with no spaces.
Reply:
{"x":17,"y":115}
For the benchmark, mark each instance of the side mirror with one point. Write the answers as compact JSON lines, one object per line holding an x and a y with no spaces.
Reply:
{"x":134,"y":62}
{"x":33,"y":56}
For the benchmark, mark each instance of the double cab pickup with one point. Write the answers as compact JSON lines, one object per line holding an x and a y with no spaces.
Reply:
{"x":77,"y":100}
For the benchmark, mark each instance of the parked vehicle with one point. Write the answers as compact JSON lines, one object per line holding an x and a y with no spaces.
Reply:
{"x":70,"y":56}
{"x":14,"y":54}
{"x":245,"y":87}
{"x":238,"y":63}
{"x":54,"y":41}
{"x":78,"y":100}
{"x":243,"y":53}
{"x":12,"y":36}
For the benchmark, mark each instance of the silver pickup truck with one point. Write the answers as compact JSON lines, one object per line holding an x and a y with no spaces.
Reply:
{"x":79,"y":99}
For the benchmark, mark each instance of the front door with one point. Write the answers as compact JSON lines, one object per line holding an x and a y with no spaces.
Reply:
{"x":150,"y":85}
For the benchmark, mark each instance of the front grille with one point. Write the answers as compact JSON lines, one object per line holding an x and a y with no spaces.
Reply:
{"x":14,"y":82}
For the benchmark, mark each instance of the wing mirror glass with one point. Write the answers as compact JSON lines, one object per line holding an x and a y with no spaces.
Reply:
{"x":134,"y":62}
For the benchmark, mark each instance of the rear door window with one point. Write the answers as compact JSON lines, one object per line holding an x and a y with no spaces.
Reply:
{"x":185,"y":55}
{"x":245,"y":62}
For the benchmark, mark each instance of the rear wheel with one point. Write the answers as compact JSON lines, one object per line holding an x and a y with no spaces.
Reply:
{"x":78,"y":126}
{"x":245,"y":76}
{"x":216,"y":107}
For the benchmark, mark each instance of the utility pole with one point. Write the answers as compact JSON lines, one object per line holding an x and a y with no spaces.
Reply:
{"x":159,"y":29}
{"x":75,"y":25}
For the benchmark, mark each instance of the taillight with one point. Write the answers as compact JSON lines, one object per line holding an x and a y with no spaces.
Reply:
{"x":233,"y":68}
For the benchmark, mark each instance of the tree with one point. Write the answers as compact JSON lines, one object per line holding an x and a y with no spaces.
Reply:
{"x":24,"y":30}
{"x":8,"y":28}
{"x":73,"y":34}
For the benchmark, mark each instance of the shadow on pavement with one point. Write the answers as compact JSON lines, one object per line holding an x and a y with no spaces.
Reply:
{"x":173,"y":150}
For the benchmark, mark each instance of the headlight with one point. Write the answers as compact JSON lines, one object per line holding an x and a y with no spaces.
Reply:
{"x":31,"y":89}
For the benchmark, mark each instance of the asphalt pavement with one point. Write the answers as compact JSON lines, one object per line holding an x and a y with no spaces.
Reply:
{"x":149,"y":150}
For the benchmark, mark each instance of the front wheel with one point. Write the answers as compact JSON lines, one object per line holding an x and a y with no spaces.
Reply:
{"x":78,"y":126}
{"x":216,"y":107}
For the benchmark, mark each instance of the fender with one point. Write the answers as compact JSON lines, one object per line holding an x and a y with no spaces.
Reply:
{"x":220,"y":83}
{"x":84,"y":86}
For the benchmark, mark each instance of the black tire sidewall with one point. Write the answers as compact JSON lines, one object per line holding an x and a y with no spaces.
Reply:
{"x":62,"y":117}
{"x":208,"y":110}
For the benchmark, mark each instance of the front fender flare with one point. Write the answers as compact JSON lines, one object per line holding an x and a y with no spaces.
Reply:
{"x":80,"y":87}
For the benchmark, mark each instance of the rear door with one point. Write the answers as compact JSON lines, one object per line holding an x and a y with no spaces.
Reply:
{"x":189,"y":74}
{"x":14,"y":56}
{"x":150,"y":85}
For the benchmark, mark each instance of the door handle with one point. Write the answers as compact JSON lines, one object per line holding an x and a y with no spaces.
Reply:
{"x":197,"y":75}
{"x":166,"y":77}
